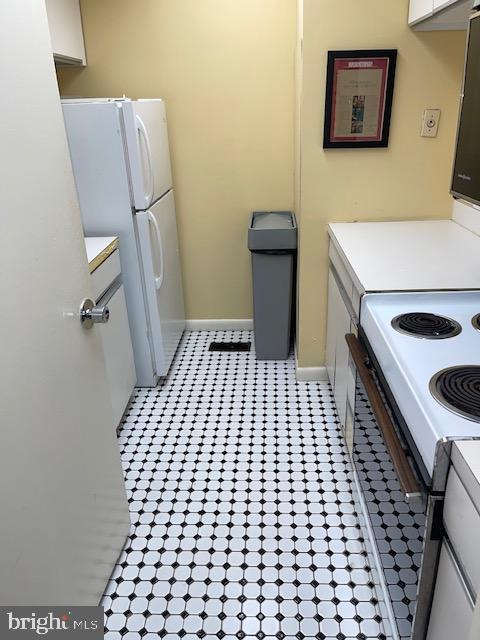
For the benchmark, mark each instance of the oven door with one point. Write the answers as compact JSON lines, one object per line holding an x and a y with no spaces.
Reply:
{"x":390,"y":494}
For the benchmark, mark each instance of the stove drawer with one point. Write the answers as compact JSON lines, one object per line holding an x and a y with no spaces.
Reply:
{"x":462,"y":523}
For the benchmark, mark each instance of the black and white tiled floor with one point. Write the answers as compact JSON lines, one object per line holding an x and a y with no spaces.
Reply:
{"x":399,"y":526}
{"x":244,"y":524}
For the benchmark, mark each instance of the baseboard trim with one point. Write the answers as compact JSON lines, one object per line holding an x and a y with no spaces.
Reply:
{"x":312,"y":374}
{"x":224,"y":324}
{"x":309,"y":374}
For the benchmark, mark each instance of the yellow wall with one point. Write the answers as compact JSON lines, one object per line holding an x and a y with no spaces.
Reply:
{"x":410,"y":179}
{"x":226,"y":70}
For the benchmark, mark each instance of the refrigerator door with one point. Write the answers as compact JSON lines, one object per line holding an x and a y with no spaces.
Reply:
{"x":147,"y":143}
{"x":100,"y":166}
{"x":157,"y":234}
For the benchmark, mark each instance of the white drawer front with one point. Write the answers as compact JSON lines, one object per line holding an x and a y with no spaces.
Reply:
{"x":342,"y":273}
{"x":462,"y":522}
{"x":105,"y":274}
{"x":452,"y":610}
{"x":345,"y":279}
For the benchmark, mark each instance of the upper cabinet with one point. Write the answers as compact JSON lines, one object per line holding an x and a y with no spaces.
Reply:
{"x":435,"y":15}
{"x":66,"y":32}
{"x":419,"y":10}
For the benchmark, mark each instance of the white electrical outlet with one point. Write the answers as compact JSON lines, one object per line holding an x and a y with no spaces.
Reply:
{"x":430,"y":121}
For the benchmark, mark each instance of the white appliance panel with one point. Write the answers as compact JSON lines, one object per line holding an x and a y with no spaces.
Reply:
{"x":97,"y":151}
{"x":157,"y":233}
{"x":148,"y":151}
{"x":408,"y":363}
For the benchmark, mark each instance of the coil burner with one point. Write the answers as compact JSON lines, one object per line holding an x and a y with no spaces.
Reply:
{"x":426,"y":325}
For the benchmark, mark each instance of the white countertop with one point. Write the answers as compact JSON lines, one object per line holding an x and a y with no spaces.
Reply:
{"x":98,"y":249}
{"x":408,"y":256}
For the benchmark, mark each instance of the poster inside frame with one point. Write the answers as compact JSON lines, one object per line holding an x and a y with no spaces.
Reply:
{"x":359,"y":94}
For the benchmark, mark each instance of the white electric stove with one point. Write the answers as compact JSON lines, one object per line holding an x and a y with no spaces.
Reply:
{"x":435,"y":404}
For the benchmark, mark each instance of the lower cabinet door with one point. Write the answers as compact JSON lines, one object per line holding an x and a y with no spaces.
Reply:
{"x":337,"y":355}
{"x":452,"y":610}
{"x":332,"y":303}
{"x":118,"y":353}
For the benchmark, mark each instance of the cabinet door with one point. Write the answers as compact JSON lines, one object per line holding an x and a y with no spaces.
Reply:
{"x":338,"y":324}
{"x":66,"y":33}
{"x":452,"y":610}
{"x":118,"y":352}
{"x":419,"y":9}
{"x":332,"y":311}
{"x":341,"y":364}
{"x":441,"y":4}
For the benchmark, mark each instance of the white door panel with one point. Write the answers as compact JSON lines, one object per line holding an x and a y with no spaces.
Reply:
{"x":147,"y":140}
{"x":157,"y":230}
{"x":64,"y":513}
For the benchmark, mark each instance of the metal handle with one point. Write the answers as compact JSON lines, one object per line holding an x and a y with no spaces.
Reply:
{"x":90,"y":314}
{"x":143,"y":133}
{"x":158,"y":235}
{"x":406,"y":477}
{"x":109,"y":293}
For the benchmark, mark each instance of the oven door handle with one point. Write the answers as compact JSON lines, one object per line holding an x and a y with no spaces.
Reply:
{"x":406,"y":477}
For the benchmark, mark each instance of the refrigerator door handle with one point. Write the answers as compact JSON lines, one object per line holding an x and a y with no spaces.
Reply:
{"x":142,"y":133}
{"x":158,"y":236}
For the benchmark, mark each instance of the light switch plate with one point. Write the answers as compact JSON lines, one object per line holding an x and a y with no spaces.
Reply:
{"x":430,"y":121}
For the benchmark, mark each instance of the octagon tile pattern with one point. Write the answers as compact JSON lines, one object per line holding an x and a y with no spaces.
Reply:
{"x":243,"y":519}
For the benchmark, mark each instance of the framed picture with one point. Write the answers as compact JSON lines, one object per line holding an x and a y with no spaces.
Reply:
{"x":358,"y":101}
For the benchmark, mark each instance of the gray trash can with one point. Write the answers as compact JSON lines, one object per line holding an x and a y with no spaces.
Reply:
{"x":272,"y":240}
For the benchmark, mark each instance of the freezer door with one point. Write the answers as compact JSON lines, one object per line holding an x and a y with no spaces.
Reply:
{"x":157,"y":233}
{"x":147,"y":142}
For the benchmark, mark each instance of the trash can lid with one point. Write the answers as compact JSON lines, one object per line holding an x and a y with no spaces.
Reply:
{"x":272,"y":230}
{"x":272,"y":220}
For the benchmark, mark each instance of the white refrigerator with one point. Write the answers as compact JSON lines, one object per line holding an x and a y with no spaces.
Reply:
{"x":121,"y":163}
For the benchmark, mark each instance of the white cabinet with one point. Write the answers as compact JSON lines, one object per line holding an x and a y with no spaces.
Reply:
{"x":452,"y":609}
{"x":462,"y":524}
{"x":342,"y":317}
{"x":66,"y":31}
{"x":116,"y":342}
{"x":436,"y":15}
{"x":337,"y":354}
{"x":458,"y":577}
{"x":419,"y":10}
{"x":117,"y":350}
{"x":332,"y":312}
